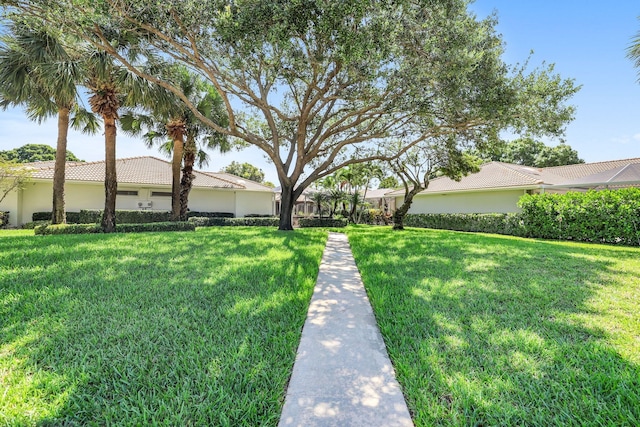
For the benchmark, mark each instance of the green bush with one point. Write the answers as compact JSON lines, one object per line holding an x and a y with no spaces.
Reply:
{"x":4,"y":219}
{"x":88,"y":216}
{"x":192,"y":214}
{"x":231,"y":222}
{"x":71,"y":217}
{"x":120,"y":228}
{"x":608,"y":216}
{"x":323,"y":222}
{"x":484,"y":223}
{"x":375,"y":217}
{"x":41,"y":216}
{"x":33,"y":224}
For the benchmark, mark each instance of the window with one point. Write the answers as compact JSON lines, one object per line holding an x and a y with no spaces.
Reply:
{"x":161,"y":194}
{"x":127,"y":193}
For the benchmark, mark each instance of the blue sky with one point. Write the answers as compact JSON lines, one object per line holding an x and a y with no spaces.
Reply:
{"x":585,"y":39}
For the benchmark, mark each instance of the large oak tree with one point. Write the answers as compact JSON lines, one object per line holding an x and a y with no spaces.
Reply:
{"x":319,"y":84}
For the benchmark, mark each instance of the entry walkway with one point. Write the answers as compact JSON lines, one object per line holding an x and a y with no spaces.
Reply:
{"x":342,"y":375}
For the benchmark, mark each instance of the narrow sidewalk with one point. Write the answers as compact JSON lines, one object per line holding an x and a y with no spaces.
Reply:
{"x":342,"y":375}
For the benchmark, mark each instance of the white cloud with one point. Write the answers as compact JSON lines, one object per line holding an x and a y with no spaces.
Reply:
{"x":636,"y":137}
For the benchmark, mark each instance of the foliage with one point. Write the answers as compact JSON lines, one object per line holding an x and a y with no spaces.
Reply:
{"x":34,"y":153}
{"x":13,"y":177}
{"x":504,"y":331}
{"x":418,"y":165}
{"x":529,"y":152}
{"x":234,"y":222}
{"x":134,"y":329}
{"x":323,"y":222}
{"x":509,"y":224}
{"x":388,"y":182}
{"x":4,"y":219}
{"x":33,"y":224}
{"x":120,"y":228}
{"x":171,"y":119}
{"x":607,"y":216}
{"x":328,"y":84}
{"x":245,"y":170}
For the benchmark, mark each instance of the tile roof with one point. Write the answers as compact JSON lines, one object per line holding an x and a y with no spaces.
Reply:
{"x":141,"y":170}
{"x":496,"y":175}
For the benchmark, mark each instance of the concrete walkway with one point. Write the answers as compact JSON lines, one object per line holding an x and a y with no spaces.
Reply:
{"x":342,"y":375}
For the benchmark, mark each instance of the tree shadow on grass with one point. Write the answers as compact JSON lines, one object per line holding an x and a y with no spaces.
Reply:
{"x":499,"y":331}
{"x":167,"y":328}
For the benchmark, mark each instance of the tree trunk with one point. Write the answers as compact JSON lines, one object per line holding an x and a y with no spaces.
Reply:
{"x":58,"y":215}
{"x":176,"y":187}
{"x":187,"y":178}
{"x":399,"y":214}
{"x":110,"y":177}
{"x":287,"y":202}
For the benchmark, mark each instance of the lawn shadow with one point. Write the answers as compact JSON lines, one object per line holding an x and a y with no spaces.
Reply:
{"x":172,"y":328}
{"x":489,"y":330}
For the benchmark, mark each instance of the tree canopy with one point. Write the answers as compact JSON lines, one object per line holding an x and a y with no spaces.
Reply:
{"x":34,"y":153}
{"x":318,"y":85}
{"x":245,"y":170}
{"x":529,"y":152}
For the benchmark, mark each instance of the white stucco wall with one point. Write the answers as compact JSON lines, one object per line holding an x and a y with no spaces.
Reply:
{"x":11,"y":204}
{"x":476,"y":202}
{"x":37,"y":197}
{"x":204,"y":200}
{"x":249,"y":202}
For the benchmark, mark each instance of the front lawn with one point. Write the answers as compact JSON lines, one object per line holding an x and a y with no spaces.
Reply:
{"x":156,"y":328}
{"x":493,"y":330}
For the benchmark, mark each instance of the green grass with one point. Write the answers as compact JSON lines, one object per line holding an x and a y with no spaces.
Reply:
{"x":153,"y":328}
{"x":491,"y":330}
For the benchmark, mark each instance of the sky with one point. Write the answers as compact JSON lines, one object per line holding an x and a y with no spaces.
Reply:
{"x":585,"y":39}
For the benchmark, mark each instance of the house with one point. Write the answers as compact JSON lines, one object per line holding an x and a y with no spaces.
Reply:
{"x":497,"y":187}
{"x":143,"y":183}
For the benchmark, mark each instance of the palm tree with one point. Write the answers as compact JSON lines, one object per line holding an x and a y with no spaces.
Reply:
{"x":187,"y":135}
{"x":38,"y":72}
{"x":319,"y":198}
{"x":111,"y":87}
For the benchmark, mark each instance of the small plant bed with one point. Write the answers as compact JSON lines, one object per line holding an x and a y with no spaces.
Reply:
{"x":496,"y":330}
{"x":195,"y":328}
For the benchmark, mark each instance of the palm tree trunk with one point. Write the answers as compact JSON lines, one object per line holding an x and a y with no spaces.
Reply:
{"x":176,"y":163}
{"x":110,"y":177}
{"x":187,"y":177}
{"x":58,"y":215}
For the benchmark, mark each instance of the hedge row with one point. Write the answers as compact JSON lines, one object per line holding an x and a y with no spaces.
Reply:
{"x":4,"y":219}
{"x":484,"y":223}
{"x":608,"y":216}
{"x":120,"y":228}
{"x":323,"y":222}
{"x":247,"y":221}
{"x":89,"y":216}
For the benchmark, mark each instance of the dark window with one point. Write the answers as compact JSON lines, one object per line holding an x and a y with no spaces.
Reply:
{"x":161,"y":194}
{"x":126,"y":193}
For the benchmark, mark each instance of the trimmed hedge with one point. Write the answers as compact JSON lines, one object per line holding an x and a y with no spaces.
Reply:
{"x":510,"y":223}
{"x":4,"y":219}
{"x":323,"y":222}
{"x":607,"y":216}
{"x":234,"y":222}
{"x":120,"y":228}
{"x":94,"y":216}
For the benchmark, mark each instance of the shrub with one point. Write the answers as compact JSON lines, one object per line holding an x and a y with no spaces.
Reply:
{"x":71,"y":217}
{"x":33,"y":224}
{"x":4,"y":219}
{"x":41,"y":216}
{"x":485,"y":223}
{"x":251,"y":221}
{"x":323,"y":222}
{"x":120,"y":228}
{"x":88,"y":216}
{"x":376,"y":217}
{"x":192,"y":214}
{"x":607,"y":216}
